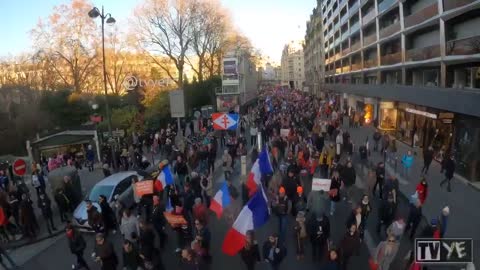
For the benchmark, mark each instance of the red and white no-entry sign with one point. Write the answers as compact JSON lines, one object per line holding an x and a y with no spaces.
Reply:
{"x":19,"y":167}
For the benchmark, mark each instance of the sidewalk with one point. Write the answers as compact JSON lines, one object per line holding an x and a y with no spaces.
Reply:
{"x":463,"y":201}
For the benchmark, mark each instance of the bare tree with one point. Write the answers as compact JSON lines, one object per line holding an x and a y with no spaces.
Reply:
{"x":209,"y":30}
{"x":67,"y":41}
{"x":165,"y":27}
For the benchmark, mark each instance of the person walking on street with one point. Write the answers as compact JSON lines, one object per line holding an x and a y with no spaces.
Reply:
{"x":95,"y":219}
{"x":380,"y":175}
{"x":325,"y":162}
{"x":131,"y":258}
{"x":386,"y":213}
{"x":427,"y":159}
{"x":77,"y":245}
{"x":274,"y":252}
{"x":422,"y":190}
{"x":283,"y":207}
{"x":105,"y":253}
{"x":349,"y":246}
{"x":28,"y":221}
{"x":348,"y":175}
{"x":334,"y":192}
{"x":63,"y":204}
{"x":317,"y":203}
{"x":227,"y":164}
{"x":158,"y":220}
{"x":90,"y":155}
{"x":129,"y":225}
{"x":376,"y":138}
{"x":333,"y":260}
{"x":44,"y":204}
{"x":107,"y":213}
{"x":385,"y":253}
{"x":319,"y":231}
{"x":414,"y":217}
{"x":443,"y":219}
{"x":301,"y":234}
{"x":449,"y":172}
{"x":250,"y":253}
{"x":407,"y":162}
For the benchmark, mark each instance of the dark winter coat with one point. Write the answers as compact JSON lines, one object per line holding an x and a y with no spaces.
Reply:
{"x":349,"y":176}
{"x":77,"y":243}
{"x":107,"y":254}
{"x":108,"y":215}
{"x":350,"y":245}
{"x":251,"y":255}
{"x":45,"y":206}
{"x":277,"y":257}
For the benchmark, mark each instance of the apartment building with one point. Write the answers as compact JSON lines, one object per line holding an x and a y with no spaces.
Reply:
{"x":313,"y":53}
{"x":413,"y":67}
{"x":239,"y":81}
{"x":292,"y":64}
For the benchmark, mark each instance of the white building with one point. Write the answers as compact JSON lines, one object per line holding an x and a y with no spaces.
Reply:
{"x":239,"y":81}
{"x":292,"y":65}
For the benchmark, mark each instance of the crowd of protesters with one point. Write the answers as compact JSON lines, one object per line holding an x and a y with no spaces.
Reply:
{"x":305,"y":138}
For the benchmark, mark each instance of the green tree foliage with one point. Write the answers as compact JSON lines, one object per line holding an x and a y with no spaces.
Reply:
{"x":66,"y":108}
{"x":198,"y":94}
{"x":157,"y":112}
{"x":122,"y":118}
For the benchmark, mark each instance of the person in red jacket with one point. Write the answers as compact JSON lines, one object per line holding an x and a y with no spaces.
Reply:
{"x":422,"y":190}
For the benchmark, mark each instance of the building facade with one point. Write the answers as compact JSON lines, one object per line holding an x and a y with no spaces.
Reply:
{"x":413,"y":66}
{"x":313,"y":52}
{"x":292,"y":64}
{"x":239,"y":81}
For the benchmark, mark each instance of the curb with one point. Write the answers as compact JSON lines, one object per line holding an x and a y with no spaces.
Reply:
{"x":17,"y":245}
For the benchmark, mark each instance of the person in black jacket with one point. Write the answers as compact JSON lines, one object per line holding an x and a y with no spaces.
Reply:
{"x":105,"y":253}
{"x":319,"y":231}
{"x":77,"y":246}
{"x":349,"y":246}
{"x":181,"y":170}
{"x":107,"y":214}
{"x":427,"y":159}
{"x":158,"y":220}
{"x":348,"y":176}
{"x":414,"y":217}
{"x":386,"y":213}
{"x":131,"y":258}
{"x":250,"y":253}
{"x":63,"y":204}
{"x":380,"y":173}
{"x":449,"y":168}
{"x":273,"y":252}
{"x":45,"y":205}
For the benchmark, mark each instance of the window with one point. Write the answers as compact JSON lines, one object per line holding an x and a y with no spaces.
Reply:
{"x":122,"y":186}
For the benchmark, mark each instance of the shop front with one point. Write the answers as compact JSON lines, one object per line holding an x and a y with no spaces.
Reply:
{"x":420,"y":126}
{"x":467,"y":147}
{"x":387,"y":116}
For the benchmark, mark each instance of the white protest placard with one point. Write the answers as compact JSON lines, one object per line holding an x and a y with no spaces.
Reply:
{"x":284,"y":132}
{"x":321,"y":184}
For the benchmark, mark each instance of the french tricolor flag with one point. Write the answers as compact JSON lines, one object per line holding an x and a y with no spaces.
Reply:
{"x":253,"y":215}
{"x":165,"y":178}
{"x":221,"y":200}
{"x":262,"y":166}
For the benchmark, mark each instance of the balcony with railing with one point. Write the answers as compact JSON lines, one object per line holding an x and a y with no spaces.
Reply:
{"x":353,"y":8}
{"x":354,"y":27}
{"x":369,"y":63}
{"x":419,"y":54}
{"x":369,"y":16}
{"x":453,"y":4}
{"x":338,"y":70}
{"x":345,"y":51}
{"x":464,"y":46}
{"x":355,"y":46}
{"x":389,"y":30}
{"x":345,"y":35}
{"x":356,"y":66}
{"x":391,"y":59}
{"x":346,"y":68}
{"x":385,"y":4}
{"x":369,"y":39}
{"x":421,"y":16}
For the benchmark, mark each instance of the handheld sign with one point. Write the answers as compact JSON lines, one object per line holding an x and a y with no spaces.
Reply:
{"x":144,"y":188}
{"x":174,"y":220}
{"x":321,"y":184}
{"x":284,"y":132}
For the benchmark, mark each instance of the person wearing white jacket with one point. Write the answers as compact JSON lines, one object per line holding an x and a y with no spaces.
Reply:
{"x":129,"y":226}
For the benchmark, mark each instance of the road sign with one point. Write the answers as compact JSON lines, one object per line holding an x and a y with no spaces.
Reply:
{"x":177,"y":104}
{"x":19,"y":167}
{"x":225,"y":121}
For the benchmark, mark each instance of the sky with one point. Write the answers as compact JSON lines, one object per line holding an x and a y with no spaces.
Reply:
{"x":269,"y":24}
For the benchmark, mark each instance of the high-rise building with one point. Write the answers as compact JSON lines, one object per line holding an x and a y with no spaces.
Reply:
{"x":293,"y":69}
{"x":313,"y":52}
{"x":239,"y":81}
{"x":412,"y":67}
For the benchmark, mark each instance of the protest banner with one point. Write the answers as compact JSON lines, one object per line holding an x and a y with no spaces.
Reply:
{"x":144,"y":188}
{"x":321,"y":184}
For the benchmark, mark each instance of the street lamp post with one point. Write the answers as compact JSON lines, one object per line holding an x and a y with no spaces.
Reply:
{"x":94,"y":13}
